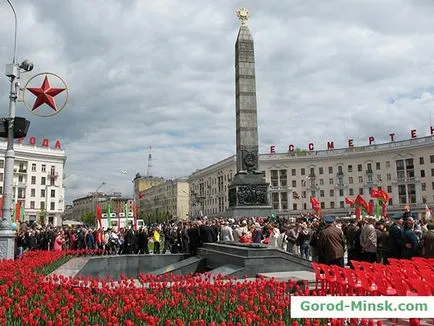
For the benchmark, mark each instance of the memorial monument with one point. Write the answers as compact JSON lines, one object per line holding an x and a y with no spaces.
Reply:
{"x":248,"y":192}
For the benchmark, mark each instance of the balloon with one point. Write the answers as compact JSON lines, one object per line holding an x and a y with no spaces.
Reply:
{"x":69,"y":225}
{"x":14,"y":225}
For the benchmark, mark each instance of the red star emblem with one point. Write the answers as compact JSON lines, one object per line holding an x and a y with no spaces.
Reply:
{"x":45,"y":94}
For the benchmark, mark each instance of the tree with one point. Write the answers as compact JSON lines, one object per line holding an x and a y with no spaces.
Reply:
{"x":88,"y":218}
{"x":42,"y":214}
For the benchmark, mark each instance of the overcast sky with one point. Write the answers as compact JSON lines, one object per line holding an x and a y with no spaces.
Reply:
{"x":161,"y":73}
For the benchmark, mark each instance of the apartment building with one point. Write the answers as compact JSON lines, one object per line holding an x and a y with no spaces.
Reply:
{"x":405,"y":169}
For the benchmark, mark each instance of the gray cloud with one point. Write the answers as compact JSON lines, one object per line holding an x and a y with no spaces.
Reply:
{"x":161,"y":74}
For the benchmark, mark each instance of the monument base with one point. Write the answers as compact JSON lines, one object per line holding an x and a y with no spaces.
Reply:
{"x":248,"y":196}
{"x":246,"y":211}
{"x":7,"y":243}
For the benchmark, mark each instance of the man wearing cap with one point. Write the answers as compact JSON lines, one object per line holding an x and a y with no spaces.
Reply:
{"x":331,"y":243}
{"x":395,"y":240}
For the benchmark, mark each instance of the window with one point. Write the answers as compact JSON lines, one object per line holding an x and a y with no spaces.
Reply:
{"x":421,"y":162}
{"x":32,"y":204}
{"x":330,"y":169}
{"x":332,"y":204}
{"x":294,"y":207}
{"x":332,"y":193}
{"x":322,"y":205}
{"x":340,"y":169}
{"x":378,"y":166}
{"x":42,"y":205}
{"x":52,"y":206}
{"x":388,"y":177}
{"x":369,"y":167}
{"x":53,"y":193}
{"x":312,"y":172}
{"x":321,"y":182}
{"x":330,"y":181}
{"x":294,"y":183}
{"x":350,"y":168}
{"x":432,"y":172}
{"x":387,"y":164}
{"x":350,"y":180}
{"x":321,"y":170}
{"x":293,"y":172}
{"x":321,"y":193}
{"x":33,"y":167}
{"x":2,"y":164}
{"x":422,"y":173}
{"x":351,"y":192}
{"x":360,"y":179}
{"x":423,"y":184}
{"x":1,"y":177}
{"x":359,"y":168}
{"x":33,"y":180}
{"x":43,"y":193}
{"x":431,"y":158}
{"x":379,"y":178}
{"x":43,"y":168}
{"x":43,"y":181}
{"x":341,"y":192}
{"x":303,"y":171}
{"x":360,"y":191}
{"x":389,"y":189}
{"x":32,"y":192}
{"x":341,"y":204}
{"x":20,"y":178}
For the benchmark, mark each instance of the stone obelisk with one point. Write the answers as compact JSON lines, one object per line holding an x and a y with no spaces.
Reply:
{"x":248,"y":192}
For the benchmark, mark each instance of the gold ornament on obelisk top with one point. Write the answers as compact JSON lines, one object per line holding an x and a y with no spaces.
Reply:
{"x":243,"y":16}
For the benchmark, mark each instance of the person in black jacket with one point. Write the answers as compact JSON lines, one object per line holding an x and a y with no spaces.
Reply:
{"x":395,"y":239}
{"x":194,"y":239}
{"x":206,"y":233}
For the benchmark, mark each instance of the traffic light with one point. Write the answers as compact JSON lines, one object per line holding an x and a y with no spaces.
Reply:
{"x":21,"y":126}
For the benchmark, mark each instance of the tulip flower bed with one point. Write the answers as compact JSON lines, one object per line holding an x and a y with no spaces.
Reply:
{"x":29,"y":297}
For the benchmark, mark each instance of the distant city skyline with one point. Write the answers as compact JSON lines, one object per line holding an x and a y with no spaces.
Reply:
{"x":161,"y":74}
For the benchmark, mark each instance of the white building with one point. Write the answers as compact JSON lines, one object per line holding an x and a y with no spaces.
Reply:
{"x":38,"y":180}
{"x":405,"y":169}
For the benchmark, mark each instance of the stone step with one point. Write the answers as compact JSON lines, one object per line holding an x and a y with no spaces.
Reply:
{"x":291,"y":275}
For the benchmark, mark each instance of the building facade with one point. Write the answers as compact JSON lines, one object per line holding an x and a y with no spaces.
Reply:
{"x":405,"y":169}
{"x":141,"y":183}
{"x":37,"y":181}
{"x":87,"y":204}
{"x":167,"y":201}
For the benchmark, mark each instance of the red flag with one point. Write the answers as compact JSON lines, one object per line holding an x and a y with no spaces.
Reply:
{"x":361,"y":202}
{"x":375,"y":193}
{"x":384,"y":196}
{"x":17,"y":211}
{"x":358,"y":213}
{"x":380,"y":194}
{"x":99,"y":214}
{"x":371,"y":208}
{"x":349,"y":201}
{"x":1,"y":206}
{"x":315,"y":204}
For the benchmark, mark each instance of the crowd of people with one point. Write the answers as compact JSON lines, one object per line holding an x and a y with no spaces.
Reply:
{"x":321,"y":239}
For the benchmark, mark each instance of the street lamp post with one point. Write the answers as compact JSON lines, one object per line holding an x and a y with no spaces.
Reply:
{"x":7,"y":231}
